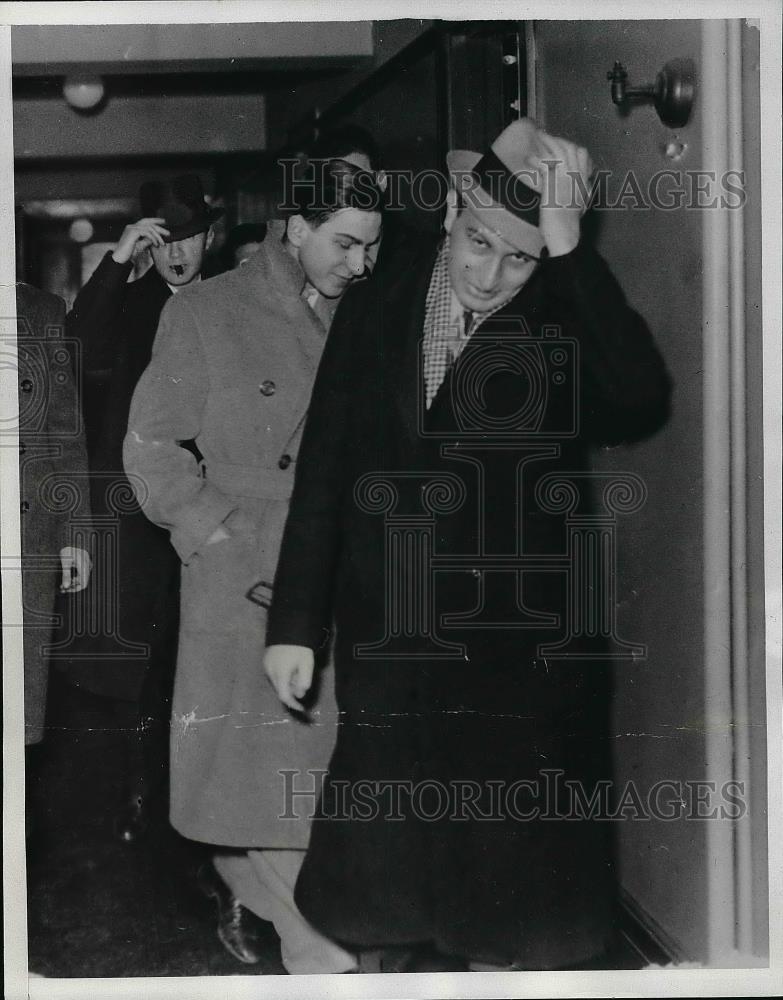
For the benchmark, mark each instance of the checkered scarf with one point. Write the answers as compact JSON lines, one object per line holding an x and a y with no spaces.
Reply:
{"x":446,"y":331}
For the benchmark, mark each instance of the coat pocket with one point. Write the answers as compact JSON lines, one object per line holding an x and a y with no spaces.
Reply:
{"x":216,"y":581}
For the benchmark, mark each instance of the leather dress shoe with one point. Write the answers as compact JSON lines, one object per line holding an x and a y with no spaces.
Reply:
{"x":240,"y":931}
{"x":132,"y":820}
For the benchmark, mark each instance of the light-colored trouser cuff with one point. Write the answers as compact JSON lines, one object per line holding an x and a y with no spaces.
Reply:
{"x":264,"y":881}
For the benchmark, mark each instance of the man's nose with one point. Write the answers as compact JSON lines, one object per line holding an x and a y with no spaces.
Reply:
{"x":175,"y":251}
{"x":487,"y":276}
{"x":355,"y":260}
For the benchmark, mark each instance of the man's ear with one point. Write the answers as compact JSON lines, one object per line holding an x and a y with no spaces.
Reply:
{"x":452,"y":209}
{"x":210,"y":237}
{"x":296,"y":230}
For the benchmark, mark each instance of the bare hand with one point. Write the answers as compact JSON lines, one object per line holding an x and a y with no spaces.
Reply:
{"x":290,"y":672}
{"x":76,"y":568}
{"x":561,"y":175}
{"x":138,"y":236}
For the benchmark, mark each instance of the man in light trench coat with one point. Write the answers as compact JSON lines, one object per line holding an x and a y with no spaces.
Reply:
{"x":232,"y":369}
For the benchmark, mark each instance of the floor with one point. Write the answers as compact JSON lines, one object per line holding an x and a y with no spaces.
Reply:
{"x":97,"y":907}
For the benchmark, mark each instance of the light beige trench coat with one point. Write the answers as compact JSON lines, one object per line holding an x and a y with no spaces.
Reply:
{"x":232,"y":368}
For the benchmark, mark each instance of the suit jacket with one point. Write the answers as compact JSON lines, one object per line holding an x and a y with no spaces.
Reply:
{"x":488,"y":708}
{"x":116,"y":323}
{"x":232,"y":368}
{"x":52,"y":479}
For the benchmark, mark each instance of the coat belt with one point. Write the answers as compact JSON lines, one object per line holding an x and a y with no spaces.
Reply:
{"x":262,"y":482}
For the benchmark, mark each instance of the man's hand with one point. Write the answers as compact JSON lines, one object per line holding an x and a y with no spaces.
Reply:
{"x":560,"y":166}
{"x":138,"y":236}
{"x":76,"y":568}
{"x":290,"y":671}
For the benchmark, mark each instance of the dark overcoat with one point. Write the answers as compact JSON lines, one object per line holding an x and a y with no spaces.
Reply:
{"x":53,"y":491}
{"x":134,"y":611}
{"x":232,"y":369}
{"x":381,"y":483}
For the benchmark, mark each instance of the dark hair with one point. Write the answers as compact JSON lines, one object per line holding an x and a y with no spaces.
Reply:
{"x":338,"y":142}
{"x":327,"y":186}
{"x":246,"y":232}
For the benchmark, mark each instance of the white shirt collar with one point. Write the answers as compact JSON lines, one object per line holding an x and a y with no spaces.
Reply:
{"x":176,"y":288}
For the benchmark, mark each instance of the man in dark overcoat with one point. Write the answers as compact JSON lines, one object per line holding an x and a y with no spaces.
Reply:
{"x":55,"y":508}
{"x":454,"y":408}
{"x":116,"y":321}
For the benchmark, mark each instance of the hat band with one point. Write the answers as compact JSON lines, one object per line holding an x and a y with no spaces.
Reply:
{"x":506,"y":189}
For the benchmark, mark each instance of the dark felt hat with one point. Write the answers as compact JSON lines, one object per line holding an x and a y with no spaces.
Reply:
{"x":180,"y":202}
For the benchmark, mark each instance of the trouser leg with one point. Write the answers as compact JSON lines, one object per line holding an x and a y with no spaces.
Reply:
{"x":146,"y":769}
{"x":156,"y":691}
{"x":263,"y":881}
{"x":154,"y":719}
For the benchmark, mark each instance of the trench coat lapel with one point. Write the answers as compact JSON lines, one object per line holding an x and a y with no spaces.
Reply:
{"x":287,"y":277}
{"x":280,"y":275}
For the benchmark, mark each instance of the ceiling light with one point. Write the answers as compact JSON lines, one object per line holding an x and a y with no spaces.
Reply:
{"x":83,"y":91}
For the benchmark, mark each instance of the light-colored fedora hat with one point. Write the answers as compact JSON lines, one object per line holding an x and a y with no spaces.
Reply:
{"x":493,"y":185}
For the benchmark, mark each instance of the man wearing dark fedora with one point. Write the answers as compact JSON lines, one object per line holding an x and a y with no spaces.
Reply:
{"x":116,"y":321}
{"x":455,"y":386}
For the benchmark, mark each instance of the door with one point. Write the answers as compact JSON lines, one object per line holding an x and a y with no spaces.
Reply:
{"x":691,"y":712}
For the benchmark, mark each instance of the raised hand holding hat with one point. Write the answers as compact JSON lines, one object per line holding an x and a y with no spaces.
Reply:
{"x":179,"y":205}
{"x":138,"y":236}
{"x":561,"y":176}
{"x":524,"y":189}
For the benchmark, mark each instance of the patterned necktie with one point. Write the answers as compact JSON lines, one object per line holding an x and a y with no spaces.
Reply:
{"x":441,"y":352}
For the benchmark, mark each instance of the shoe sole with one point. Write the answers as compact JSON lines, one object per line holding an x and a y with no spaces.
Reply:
{"x":241,"y":958}
{"x":211,"y":892}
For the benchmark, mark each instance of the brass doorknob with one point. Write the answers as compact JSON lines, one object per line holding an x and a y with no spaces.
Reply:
{"x":672,"y":93}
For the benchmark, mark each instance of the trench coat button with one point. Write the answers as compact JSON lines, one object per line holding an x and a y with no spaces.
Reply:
{"x":26,"y":385}
{"x":267,"y":388}
{"x":284,"y":461}
{"x":476,"y":573}
{"x":24,"y":506}
{"x":22,"y":447}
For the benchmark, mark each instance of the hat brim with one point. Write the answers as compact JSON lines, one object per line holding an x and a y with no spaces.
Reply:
{"x":195,"y":226}
{"x":490,"y":213}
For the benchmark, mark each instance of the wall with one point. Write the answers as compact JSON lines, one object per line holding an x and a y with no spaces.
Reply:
{"x":403,"y":116}
{"x":755,"y":472}
{"x":301,"y":102}
{"x":140,"y":126}
{"x":665,"y":723}
{"x":48,"y":49}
